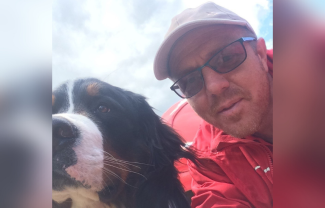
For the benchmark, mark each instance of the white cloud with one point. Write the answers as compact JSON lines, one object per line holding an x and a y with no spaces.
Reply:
{"x":249,"y":10}
{"x":25,"y":37}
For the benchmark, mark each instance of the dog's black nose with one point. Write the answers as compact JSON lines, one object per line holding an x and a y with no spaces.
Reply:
{"x":64,"y":133}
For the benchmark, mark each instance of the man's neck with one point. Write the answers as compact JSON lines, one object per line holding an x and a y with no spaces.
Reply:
{"x":267,"y":138}
{"x":266,"y":129}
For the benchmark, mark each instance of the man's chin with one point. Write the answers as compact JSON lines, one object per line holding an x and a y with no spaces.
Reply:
{"x":239,"y":134}
{"x":238,"y":129}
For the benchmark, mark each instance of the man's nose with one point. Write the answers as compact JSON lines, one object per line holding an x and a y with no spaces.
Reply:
{"x":64,"y":133}
{"x":215,"y":83}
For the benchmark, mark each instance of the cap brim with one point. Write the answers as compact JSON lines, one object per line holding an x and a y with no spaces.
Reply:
{"x":161,"y":59}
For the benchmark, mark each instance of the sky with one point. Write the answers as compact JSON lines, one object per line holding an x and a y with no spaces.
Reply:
{"x":25,"y":38}
{"x":116,"y":41}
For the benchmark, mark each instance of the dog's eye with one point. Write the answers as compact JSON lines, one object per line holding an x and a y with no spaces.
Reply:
{"x":103,"y":109}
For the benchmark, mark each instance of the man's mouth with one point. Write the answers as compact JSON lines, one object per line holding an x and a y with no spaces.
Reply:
{"x":229,"y":106}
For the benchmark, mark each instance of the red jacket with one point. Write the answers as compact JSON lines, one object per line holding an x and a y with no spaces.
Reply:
{"x":239,"y":172}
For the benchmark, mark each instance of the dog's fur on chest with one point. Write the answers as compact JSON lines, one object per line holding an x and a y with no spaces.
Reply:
{"x":111,"y":150}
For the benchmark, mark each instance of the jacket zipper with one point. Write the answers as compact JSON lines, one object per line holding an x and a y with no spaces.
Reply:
{"x":269,"y":158}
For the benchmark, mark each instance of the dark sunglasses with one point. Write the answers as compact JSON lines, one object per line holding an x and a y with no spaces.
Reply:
{"x":225,"y":60}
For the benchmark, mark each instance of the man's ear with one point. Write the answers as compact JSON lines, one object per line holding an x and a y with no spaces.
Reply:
{"x":261,"y":52}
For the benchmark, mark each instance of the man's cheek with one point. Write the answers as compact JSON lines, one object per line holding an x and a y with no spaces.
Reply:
{"x":198,"y":105}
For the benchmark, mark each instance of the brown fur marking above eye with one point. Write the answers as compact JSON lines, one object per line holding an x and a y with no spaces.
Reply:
{"x":93,"y":89}
{"x":53,"y":100}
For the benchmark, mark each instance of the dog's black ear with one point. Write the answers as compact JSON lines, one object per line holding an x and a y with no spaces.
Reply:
{"x":162,"y":189}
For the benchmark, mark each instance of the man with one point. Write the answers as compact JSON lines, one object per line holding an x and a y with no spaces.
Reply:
{"x":215,"y":61}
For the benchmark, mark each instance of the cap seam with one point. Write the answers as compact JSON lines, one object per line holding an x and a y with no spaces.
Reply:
{"x":226,"y":12}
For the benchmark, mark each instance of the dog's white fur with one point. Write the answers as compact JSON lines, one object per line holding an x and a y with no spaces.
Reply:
{"x":70,"y":96}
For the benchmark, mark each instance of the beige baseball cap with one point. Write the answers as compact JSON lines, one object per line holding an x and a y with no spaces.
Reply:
{"x":204,"y":15}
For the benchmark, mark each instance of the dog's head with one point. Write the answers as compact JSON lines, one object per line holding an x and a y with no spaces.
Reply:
{"x":110,"y":147}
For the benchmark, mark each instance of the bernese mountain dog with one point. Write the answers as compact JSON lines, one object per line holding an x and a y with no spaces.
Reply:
{"x":111,"y":150}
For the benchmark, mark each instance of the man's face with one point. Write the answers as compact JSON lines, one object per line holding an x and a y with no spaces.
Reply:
{"x":237,"y":102}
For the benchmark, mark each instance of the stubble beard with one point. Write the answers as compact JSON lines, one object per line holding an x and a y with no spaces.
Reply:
{"x":236,"y":125}
{"x":246,"y":123}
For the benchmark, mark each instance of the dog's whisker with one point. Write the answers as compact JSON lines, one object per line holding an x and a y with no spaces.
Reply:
{"x":108,"y":176}
{"x":117,"y":167}
{"x":105,"y":182}
{"x":108,"y":153}
{"x":108,"y":163}
{"x":114,"y":160}
{"x":128,"y":170}
{"x":111,"y":180}
{"x":125,"y":161}
{"x":114,"y":174}
{"x":117,"y":163}
{"x":121,"y":163}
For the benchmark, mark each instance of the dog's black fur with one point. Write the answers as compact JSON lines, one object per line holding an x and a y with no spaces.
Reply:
{"x":135,"y":133}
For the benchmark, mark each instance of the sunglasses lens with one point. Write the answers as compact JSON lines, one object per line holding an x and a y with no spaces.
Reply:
{"x":229,"y":58}
{"x":190,"y":84}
